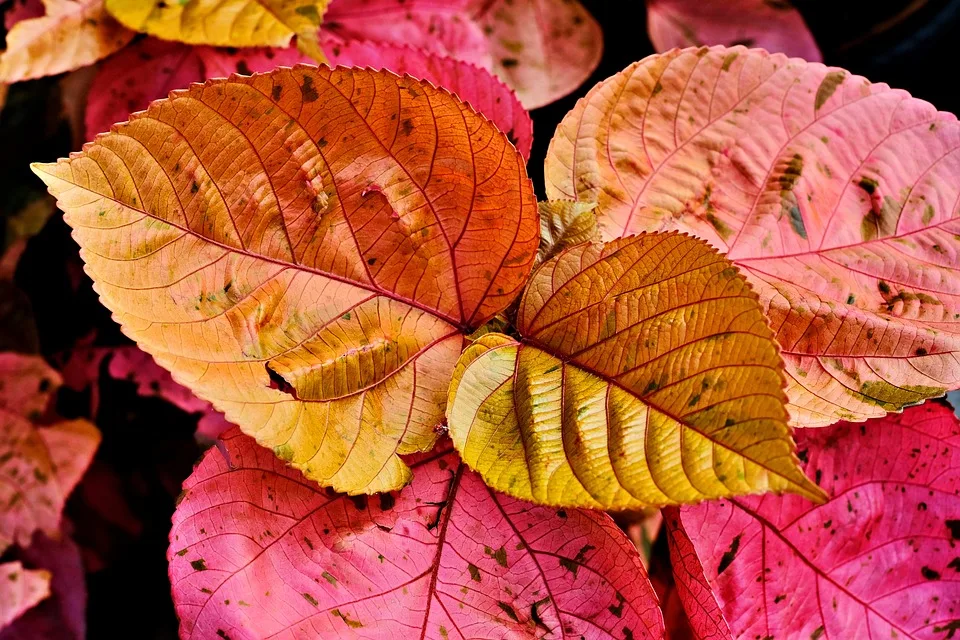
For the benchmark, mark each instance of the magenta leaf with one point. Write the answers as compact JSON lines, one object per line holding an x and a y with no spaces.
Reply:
{"x":772,"y":25}
{"x":475,"y":85}
{"x":879,"y":560}
{"x":256,"y":551}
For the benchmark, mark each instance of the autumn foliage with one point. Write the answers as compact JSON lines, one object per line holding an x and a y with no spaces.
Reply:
{"x":436,"y":407}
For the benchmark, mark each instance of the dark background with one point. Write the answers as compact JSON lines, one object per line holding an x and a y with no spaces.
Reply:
{"x":122,"y":510}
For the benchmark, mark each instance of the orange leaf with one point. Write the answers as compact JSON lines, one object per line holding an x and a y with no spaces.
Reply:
{"x":306,"y":249}
{"x":835,"y":197}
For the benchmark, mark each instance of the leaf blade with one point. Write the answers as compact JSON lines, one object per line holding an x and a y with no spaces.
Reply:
{"x":809,"y":200}
{"x":411,"y":557}
{"x":876,"y":477}
{"x":601,"y":386}
{"x":339,"y":277}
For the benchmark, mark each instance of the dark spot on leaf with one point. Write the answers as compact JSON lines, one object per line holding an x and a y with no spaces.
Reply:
{"x":617,"y":609}
{"x":929,"y":573}
{"x":474,"y":572}
{"x":243,"y":68}
{"x":509,"y":63}
{"x":827,"y":87}
{"x":307,"y":91}
{"x":729,"y":555}
{"x":276,"y":92}
{"x":387,"y":501}
{"x":507,"y":609}
{"x":360,"y":502}
{"x":309,"y":598}
{"x":817,"y":633}
{"x":199,"y":565}
{"x":406,"y":126}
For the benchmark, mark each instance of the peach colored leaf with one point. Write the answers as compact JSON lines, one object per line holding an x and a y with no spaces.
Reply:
{"x":834,"y":196}
{"x":306,"y":250}
{"x":646,"y":375}
{"x":227,"y":23}
{"x":20,"y":590}
{"x":256,"y":552}
{"x":72,"y":34}
{"x":483,"y":91}
{"x":542,"y":49}
{"x":774,"y":25}
{"x":879,"y":560}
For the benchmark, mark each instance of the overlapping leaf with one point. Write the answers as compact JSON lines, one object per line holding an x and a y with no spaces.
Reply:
{"x":879,"y":560}
{"x":20,"y":590}
{"x":256,"y":552}
{"x":72,"y":34}
{"x":565,"y":223}
{"x":40,"y":465}
{"x":646,"y":375}
{"x":774,"y":25}
{"x":150,"y":69}
{"x":63,"y":615}
{"x":228,"y":23}
{"x":835,"y":197}
{"x":543,"y":49}
{"x":306,"y":249}
{"x":472,"y":84}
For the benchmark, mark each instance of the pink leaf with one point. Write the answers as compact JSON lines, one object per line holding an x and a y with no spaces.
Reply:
{"x":483,"y":91}
{"x":879,"y":560}
{"x":836,"y":197}
{"x":256,"y":551}
{"x":41,"y":466}
{"x":62,"y":616}
{"x":28,"y":384}
{"x":774,"y":26}
{"x":20,"y":589}
{"x":542,"y":49}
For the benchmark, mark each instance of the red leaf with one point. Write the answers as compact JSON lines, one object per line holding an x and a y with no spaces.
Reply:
{"x":256,"y":551}
{"x":879,"y":560}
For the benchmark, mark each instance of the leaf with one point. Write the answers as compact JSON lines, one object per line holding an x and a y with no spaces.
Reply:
{"x":565,"y":223}
{"x":317,"y":286}
{"x":878,"y":560}
{"x":542,"y":49}
{"x":122,"y":86}
{"x":152,"y":380}
{"x":40,"y":465}
{"x":63,"y":615}
{"x":646,"y":376}
{"x":72,"y":34}
{"x":255,"y":551}
{"x":20,"y":590}
{"x":834,"y":196}
{"x":228,"y":23}
{"x":150,"y":69}
{"x":774,"y":25}
{"x":472,"y":84}
{"x":28,"y":383}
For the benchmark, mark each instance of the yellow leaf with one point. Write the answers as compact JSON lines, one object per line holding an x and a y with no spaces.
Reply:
{"x":307,"y":249}
{"x":72,"y":34}
{"x":646,"y":375}
{"x":227,"y":23}
{"x":565,"y":223}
